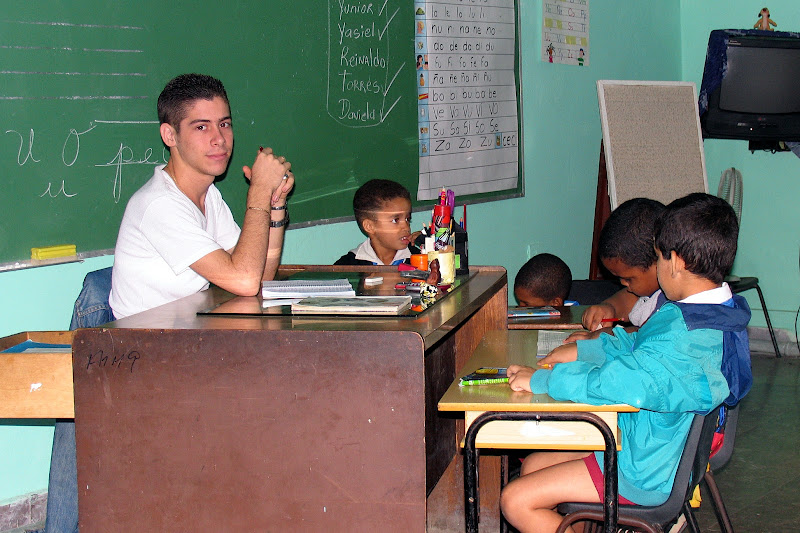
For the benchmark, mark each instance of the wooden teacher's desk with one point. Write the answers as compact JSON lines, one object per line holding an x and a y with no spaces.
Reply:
{"x":274,"y":423}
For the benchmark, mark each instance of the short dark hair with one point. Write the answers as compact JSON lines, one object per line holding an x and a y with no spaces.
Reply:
{"x":702,"y":229}
{"x":183,"y":89}
{"x":628,"y":233}
{"x":545,"y":276}
{"x":371,"y":196}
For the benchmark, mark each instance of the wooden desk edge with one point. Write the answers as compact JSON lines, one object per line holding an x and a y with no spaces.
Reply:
{"x":521,"y":407}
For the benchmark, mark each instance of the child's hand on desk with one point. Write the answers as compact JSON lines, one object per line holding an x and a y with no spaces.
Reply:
{"x":563,"y":354}
{"x":593,"y":317}
{"x":579,"y":336}
{"x":586,"y":335}
{"x":519,"y":377}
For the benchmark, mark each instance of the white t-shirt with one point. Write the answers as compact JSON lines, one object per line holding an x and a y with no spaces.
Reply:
{"x":161,"y":234}
{"x":643,"y":308}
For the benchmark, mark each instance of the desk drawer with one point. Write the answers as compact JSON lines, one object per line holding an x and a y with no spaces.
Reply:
{"x":543,"y":435}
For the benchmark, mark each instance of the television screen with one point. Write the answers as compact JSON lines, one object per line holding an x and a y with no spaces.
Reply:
{"x":750,"y":82}
{"x":761,"y":80}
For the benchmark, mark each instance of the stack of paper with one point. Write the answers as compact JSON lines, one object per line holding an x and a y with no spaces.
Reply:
{"x":303,"y":288}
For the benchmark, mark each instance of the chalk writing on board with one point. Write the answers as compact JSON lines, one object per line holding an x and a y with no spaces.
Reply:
{"x":20,"y":160}
{"x":122,"y":155}
{"x":467,"y":99}
{"x":50,"y":193}
{"x":361,"y":71}
{"x":121,"y":361}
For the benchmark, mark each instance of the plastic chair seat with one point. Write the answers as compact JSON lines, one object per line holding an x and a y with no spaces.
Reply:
{"x":691,"y":469}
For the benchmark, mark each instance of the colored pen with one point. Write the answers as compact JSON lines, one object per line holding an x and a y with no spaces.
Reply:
{"x":611,"y":320}
{"x":487,"y":381}
{"x":412,"y":287}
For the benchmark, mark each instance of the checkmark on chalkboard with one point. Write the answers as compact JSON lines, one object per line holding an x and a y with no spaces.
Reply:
{"x":381,"y":33}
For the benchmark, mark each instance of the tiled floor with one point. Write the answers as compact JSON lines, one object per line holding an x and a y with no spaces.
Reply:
{"x":761,"y":483}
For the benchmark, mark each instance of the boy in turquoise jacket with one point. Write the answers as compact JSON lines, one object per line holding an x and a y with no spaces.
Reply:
{"x":671,"y":368}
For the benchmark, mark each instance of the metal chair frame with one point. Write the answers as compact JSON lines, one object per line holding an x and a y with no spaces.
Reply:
{"x":471,"y":504}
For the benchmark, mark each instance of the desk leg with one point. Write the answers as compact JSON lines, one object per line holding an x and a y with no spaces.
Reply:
{"x":471,"y":462}
{"x":503,"y":483}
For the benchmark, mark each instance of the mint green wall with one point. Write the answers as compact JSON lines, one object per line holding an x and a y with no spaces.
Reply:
{"x":769,"y":238}
{"x":561,"y":143}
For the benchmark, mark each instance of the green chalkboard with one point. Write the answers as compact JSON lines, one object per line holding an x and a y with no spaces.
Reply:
{"x":80,"y":82}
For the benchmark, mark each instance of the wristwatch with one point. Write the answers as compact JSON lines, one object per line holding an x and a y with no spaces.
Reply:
{"x":284,"y":221}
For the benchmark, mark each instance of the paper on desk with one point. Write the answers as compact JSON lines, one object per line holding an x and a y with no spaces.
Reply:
{"x":534,"y":429}
{"x":279,"y":301}
{"x":549,"y":340}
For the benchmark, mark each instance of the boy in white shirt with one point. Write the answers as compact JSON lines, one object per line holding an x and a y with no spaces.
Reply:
{"x":178,"y":234}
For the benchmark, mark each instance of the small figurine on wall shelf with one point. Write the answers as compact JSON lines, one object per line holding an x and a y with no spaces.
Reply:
{"x":764,"y":22}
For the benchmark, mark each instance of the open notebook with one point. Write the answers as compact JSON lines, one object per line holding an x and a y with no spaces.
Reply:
{"x":549,"y":340}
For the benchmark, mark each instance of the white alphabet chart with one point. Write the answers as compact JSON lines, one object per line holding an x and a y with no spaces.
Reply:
{"x":467,"y":97}
{"x":565,"y":32}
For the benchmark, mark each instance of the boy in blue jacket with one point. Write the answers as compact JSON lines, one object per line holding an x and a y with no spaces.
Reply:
{"x":690,"y":356}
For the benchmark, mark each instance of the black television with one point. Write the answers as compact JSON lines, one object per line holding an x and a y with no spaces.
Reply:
{"x":751,"y":86}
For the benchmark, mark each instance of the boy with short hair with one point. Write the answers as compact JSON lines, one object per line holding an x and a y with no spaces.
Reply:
{"x":383,"y":213}
{"x":626,"y":250}
{"x":544,"y":280}
{"x":690,"y":356}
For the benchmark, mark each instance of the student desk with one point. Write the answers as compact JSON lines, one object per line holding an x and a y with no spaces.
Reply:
{"x":570,"y":318}
{"x":36,"y":384}
{"x":530,"y":428}
{"x":276,"y":423}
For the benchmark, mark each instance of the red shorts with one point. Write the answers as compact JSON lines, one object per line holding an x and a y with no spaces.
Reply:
{"x":598,"y":479}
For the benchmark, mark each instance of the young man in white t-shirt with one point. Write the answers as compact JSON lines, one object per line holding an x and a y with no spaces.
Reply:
{"x":178,"y":234}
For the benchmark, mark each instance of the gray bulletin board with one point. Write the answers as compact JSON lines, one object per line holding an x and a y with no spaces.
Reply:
{"x":653,"y":144}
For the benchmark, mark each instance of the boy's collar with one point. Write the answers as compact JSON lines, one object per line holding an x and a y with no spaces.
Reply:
{"x":718,"y":295}
{"x":366,"y":252}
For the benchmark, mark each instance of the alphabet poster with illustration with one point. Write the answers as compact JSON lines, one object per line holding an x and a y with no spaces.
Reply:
{"x":565,"y":32}
{"x":467,"y":97}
